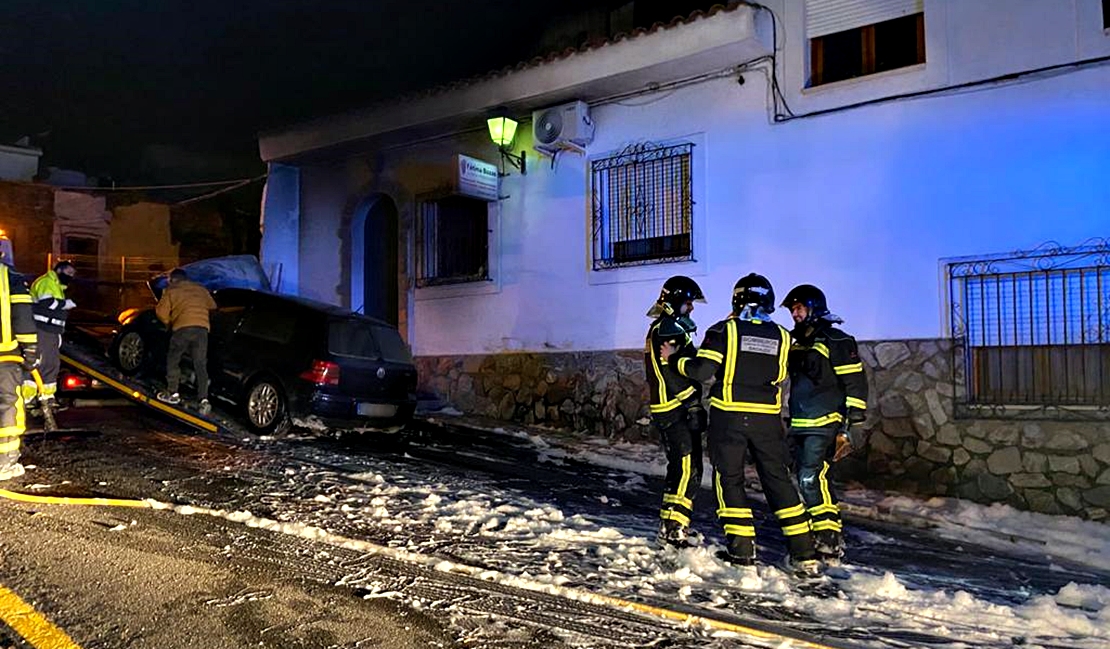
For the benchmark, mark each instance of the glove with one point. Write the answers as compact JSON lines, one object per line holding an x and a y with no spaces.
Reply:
{"x":697,"y":419}
{"x":847,"y":441}
{"x":69,"y":304}
{"x":30,"y":356}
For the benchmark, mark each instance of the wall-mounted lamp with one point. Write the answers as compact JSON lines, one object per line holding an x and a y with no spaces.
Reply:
{"x":502,"y":130}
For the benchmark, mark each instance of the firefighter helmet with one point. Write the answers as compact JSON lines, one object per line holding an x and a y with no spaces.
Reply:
{"x":809,"y":296}
{"x":676,"y":291}
{"x":753,"y":289}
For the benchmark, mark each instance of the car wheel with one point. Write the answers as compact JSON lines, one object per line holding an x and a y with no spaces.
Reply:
{"x":129,"y":352}
{"x":265,"y":407}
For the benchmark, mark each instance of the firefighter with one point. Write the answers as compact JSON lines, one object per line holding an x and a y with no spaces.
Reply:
{"x":50,"y":305}
{"x":18,"y":350}
{"x":747,"y":354}
{"x":675,"y":405}
{"x":828,"y":393}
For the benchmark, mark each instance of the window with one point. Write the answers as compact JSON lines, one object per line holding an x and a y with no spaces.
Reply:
{"x":452,"y":241}
{"x":643,"y":206}
{"x":861,"y":37}
{"x":1034,"y":327}
{"x":271,"y":323}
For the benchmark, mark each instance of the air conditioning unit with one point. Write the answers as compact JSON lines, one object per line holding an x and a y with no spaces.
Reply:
{"x":567,"y":126}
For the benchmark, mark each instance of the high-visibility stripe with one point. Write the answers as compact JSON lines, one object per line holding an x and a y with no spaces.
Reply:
{"x":820,"y":348}
{"x":38,"y":631}
{"x":711,"y":355}
{"x":796,"y":529}
{"x":784,"y":357}
{"x":6,"y":338}
{"x":678,"y":500}
{"x":719,"y":489}
{"x":21,"y":299}
{"x":826,"y":495}
{"x":746,"y":406}
{"x":740,"y":530}
{"x":9,"y":446}
{"x":734,"y":512}
{"x":827,"y":420}
{"x":11,"y":359}
{"x":823,"y":509}
{"x":730,"y":361}
{"x":685,"y":394}
{"x":658,"y":372}
{"x":848,"y":369}
{"x":684,"y":482}
{"x":853,"y":402}
{"x":672,"y":515}
{"x":11,"y":431}
{"x":27,"y":339}
{"x":665,"y":407}
{"x":796,"y":510}
{"x":819,"y":526}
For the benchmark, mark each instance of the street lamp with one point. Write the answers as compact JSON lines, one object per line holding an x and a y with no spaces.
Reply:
{"x":502,"y":130}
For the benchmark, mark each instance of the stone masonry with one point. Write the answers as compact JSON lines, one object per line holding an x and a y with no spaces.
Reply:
{"x":918,"y":440}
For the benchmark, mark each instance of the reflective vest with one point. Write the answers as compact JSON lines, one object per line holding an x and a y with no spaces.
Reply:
{"x":49,"y":298}
{"x":17,"y":326}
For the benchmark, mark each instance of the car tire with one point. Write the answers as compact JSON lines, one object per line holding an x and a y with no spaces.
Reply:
{"x":130,"y":352}
{"x":265,"y":407}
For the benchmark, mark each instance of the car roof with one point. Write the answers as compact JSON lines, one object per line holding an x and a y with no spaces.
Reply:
{"x":305,"y":303}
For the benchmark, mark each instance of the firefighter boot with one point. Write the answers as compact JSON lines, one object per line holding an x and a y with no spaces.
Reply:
{"x":739,"y":550}
{"x":829,"y":545}
{"x":674,"y":534}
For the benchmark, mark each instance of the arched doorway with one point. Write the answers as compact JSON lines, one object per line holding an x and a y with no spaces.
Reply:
{"x":374,"y":232}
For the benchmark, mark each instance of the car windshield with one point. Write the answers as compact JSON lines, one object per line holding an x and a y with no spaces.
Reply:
{"x":361,"y":339}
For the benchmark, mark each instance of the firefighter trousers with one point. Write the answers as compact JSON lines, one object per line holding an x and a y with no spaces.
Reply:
{"x":813,"y":447}
{"x":683,"y":447}
{"x":12,"y":422}
{"x":732,"y":435}
{"x":50,"y":363}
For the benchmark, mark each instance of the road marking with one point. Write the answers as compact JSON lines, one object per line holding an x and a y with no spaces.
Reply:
{"x":66,"y":500}
{"x":140,"y":397}
{"x":38,"y":631}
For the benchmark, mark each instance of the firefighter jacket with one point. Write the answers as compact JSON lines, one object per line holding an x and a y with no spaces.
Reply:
{"x":827,"y":381}
{"x":48,"y":298}
{"x":748,"y":357}
{"x":17,"y":323}
{"x":669,"y":391}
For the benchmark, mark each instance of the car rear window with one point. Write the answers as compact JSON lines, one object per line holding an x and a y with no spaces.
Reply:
{"x":367,"y":340}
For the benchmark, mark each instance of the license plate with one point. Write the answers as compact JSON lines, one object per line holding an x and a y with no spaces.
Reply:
{"x":377,"y":409}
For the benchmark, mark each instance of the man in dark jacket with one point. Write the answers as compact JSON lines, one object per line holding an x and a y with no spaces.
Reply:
{"x":828,"y":393}
{"x":747,"y":353}
{"x":18,"y":351}
{"x":184,"y":309}
{"x":675,"y":405}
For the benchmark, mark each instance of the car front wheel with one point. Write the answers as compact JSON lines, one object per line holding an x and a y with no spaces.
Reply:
{"x":265,"y":407}
{"x":129,"y":352}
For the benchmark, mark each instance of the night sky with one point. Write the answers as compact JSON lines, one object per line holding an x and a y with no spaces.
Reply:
{"x":168,"y":91}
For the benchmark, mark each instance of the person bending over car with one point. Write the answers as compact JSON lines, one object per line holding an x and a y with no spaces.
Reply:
{"x":184,"y":310}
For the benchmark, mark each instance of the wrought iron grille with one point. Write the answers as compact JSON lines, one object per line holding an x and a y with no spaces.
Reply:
{"x":643,"y":206}
{"x":452,"y":241}
{"x":1032,"y":329}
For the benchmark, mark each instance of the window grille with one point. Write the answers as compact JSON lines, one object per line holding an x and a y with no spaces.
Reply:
{"x":452,"y":241}
{"x":643,"y":206}
{"x":1033,"y":328}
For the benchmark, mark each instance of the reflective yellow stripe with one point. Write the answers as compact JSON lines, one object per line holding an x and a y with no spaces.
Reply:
{"x":784,"y":356}
{"x":682,"y":365}
{"x":730,"y":361}
{"x":672,"y":515}
{"x":796,"y":529}
{"x":828,"y":419}
{"x":21,"y":299}
{"x":8,"y":447}
{"x":711,"y":355}
{"x":826,"y":495}
{"x":735,"y":512}
{"x":740,"y":530}
{"x":665,"y":407}
{"x":685,"y":394}
{"x":5,"y":311}
{"x":11,"y":359}
{"x":27,"y":339}
{"x":684,"y":483}
{"x":853,"y":402}
{"x":720,"y":491}
{"x":796,"y":510}
{"x":746,"y":406}
{"x":11,"y":431}
{"x":678,"y":500}
{"x":38,"y":631}
{"x":848,"y":369}
{"x":658,"y":373}
{"x":836,"y":526}
{"x":823,"y":509}
{"x":820,"y":348}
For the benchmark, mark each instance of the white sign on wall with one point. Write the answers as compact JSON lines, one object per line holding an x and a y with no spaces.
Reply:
{"x":477,"y":178}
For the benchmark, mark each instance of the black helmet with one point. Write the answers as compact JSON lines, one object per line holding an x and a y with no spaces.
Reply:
{"x":811,"y":297}
{"x":753,"y":289}
{"x":676,"y":291}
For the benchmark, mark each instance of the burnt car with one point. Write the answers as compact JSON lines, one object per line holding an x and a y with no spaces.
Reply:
{"x":280,"y":359}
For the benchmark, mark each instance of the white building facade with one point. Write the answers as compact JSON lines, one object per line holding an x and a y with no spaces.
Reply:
{"x":895,"y":141}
